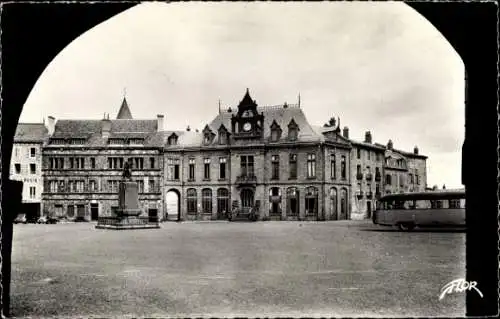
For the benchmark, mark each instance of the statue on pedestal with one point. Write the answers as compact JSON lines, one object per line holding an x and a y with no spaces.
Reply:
{"x":127,"y":172}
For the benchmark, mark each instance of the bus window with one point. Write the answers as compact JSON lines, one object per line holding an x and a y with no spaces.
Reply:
{"x":411,"y":204}
{"x":456,"y":203}
{"x":423,"y":204}
{"x":445,"y":203}
{"x":436,"y":204}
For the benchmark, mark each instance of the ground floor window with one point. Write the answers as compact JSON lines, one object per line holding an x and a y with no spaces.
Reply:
{"x":191,"y":201}
{"x":71,"y":211}
{"x":222,"y":202}
{"x":206,"y":201}
{"x":333,"y":203}
{"x":343,"y":203}
{"x":275,"y":201}
{"x":312,"y":201}
{"x":292,"y":195}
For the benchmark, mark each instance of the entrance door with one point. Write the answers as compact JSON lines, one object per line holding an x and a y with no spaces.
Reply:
{"x":80,"y":212}
{"x":94,"y":211}
{"x":153,"y":215}
{"x":369,"y":209}
{"x":247,"y":199}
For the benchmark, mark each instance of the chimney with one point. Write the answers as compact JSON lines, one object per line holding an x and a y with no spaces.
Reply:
{"x":105,"y":127}
{"x":345,"y":133}
{"x":415,"y":150}
{"x":51,"y":125}
{"x":160,"y":122}
{"x":389,"y":145}
{"x":368,"y":137}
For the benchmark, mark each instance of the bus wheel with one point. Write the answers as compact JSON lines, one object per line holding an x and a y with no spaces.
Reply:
{"x":406,"y":226}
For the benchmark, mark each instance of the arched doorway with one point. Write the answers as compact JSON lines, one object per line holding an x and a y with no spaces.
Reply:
{"x":172,"y":205}
{"x":247,"y":199}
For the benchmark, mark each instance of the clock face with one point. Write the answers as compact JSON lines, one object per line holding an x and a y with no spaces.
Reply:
{"x":247,"y":126}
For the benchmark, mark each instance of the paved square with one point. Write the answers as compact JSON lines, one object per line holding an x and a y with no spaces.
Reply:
{"x":345,"y":268}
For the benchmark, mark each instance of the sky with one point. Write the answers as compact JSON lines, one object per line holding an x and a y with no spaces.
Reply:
{"x":379,"y":66}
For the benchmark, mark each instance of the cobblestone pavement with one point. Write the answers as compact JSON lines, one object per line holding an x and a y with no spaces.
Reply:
{"x":221,"y":269}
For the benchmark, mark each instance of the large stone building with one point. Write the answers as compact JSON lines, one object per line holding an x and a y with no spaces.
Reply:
{"x":83,"y":162}
{"x":378,"y":170}
{"x":26,"y":165}
{"x":269,"y":158}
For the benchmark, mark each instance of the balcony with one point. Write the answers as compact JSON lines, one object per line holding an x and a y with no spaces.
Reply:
{"x":369,"y":176}
{"x":359,"y":194}
{"x":246,"y":179}
{"x":378,"y":177}
{"x":369,"y":194}
{"x":359,"y":176}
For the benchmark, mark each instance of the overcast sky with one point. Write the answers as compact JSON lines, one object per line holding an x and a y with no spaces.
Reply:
{"x":379,"y":66}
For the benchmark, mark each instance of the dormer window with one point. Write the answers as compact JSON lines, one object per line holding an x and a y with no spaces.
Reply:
{"x":172,"y":139}
{"x":275,"y":132}
{"x":208,"y":135}
{"x":116,"y":141}
{"x":57,"y":141}
{"x":293,"y":130}
{"x":136,"y":141}
{"x":223,"y":135}
{"x":77,"y":141}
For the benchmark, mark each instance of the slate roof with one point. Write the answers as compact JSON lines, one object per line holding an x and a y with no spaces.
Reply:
{"x":124,"y":112}
{"x":30,"y":132}
{"x":126,"y":128}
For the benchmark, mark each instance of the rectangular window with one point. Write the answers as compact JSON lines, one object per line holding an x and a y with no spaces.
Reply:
{"x":173,"y":171}
{"x":343,"y":173}
{"x":222,"y":167}
{"x":151,"y":186}
{"x":177,"y":169}
{"x":311,"y":165}
{"x":293,"y":166}
{"x":32,"y":168}
{"x":377,"y":157}
{"x":110,"y":163}
{"x":140,"y":186}
{"x":92,"y":186}
{"x":333,"y":166}
{"x":152,"y":162}
{"x":92,"y":163}
{"x":32,"y":152}
{"x":61,"y":163}
{"x":82,"y":162}
{"x":275,"y":167}
{"x":358,"y":151}
{"x":32,"y":192}
{"x":191,"y":169}
{"x":206,"y":168}
{"x":417,"y":180}
{"x":246,"y":165}
{"x":17,"y":167}
{"x":358,"y":169}
{"x":369,"y":154}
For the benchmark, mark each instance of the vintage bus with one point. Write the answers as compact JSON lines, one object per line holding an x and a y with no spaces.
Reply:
{"x":424,"y":209}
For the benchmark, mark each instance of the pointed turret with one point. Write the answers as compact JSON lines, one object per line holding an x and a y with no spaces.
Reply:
{"x":124,"y":112}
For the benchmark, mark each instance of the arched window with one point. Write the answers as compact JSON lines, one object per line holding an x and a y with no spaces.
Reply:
{"x":206,"y":201}
{"x":343,"y":203}
{"x":222,"y":202}
{"x":275,"y":201}
{"x":312,"y":201}
{"x":333,"y":203}
{"x":292,"y":197}
{"x":191,"y":201}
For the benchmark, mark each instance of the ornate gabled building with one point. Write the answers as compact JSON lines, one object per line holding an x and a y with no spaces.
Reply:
{"x":267,"y":158}
{"x":83,"y":162}
{"x":26,"y":165}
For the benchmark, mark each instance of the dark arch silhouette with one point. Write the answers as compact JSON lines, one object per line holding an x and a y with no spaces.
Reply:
{"x":33,"y":34}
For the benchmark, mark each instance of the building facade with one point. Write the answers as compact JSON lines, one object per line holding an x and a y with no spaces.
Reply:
{"x":26,"y":165}
{"x":84,"y":159}
{"x":267,"y":158}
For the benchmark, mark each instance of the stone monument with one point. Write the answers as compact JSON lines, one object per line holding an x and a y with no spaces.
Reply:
{"x":127,"y":214}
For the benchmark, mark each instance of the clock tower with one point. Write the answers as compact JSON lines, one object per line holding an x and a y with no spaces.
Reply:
{"x":247,"y":122}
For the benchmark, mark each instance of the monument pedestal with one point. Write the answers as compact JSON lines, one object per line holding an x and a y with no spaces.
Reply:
{"x":127,"y":214}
